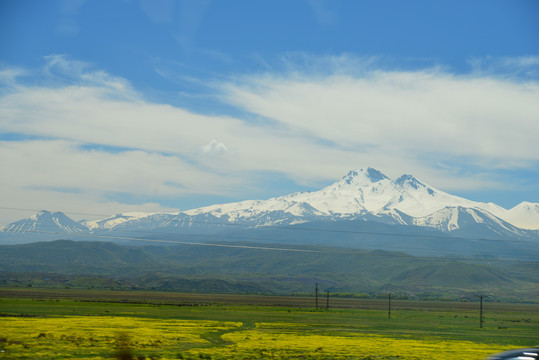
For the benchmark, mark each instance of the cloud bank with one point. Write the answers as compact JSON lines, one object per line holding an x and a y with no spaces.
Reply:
{"x":85,"y":137}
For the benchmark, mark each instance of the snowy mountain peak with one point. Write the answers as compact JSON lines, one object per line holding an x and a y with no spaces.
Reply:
{"x":469,"y":219}
{"x":41,"y":214}
{"x":524,"y":215}
{"x":362,"y":176}
{"x":527,"y":205}
{"x":361,"y":194}
{"x":45,"y":221}
{"x":407,"y":180}
{"x":115,"y":220}
{"x":45,"y":216}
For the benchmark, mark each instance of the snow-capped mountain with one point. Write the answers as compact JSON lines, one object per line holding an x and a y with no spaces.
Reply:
{"x":115,"y":220}
{"x":371,"y":191}
{"x":361,"y":193}
{"x":365,"y":195}
{"x":45,"y":221}
{"x":471,"y":220}
{"x":525,"y":215}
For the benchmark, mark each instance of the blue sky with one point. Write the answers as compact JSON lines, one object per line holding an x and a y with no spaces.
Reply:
{"x":149,"y":105}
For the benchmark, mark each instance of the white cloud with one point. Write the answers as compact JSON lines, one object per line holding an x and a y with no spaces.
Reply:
{"x":93,"y":135}
{"x":59,"y":174}
{"x":523,"y":61}
{"x":60,"y":164}
{"x":509,"y":67}
{"x":81,"y":73}
{"x":214,"y":147}
{"x":404,"y":112}
{"x":9,"y":75}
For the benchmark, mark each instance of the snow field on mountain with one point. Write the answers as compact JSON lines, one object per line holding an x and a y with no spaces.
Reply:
{"x":364,"y":194}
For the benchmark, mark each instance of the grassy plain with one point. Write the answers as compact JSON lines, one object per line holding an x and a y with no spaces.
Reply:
{"x":103,"y":325}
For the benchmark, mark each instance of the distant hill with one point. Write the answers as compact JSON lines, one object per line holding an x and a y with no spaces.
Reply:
{"x":244,"y":269}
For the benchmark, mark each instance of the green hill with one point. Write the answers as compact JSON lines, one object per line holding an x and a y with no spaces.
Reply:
{"x":244,"y":269}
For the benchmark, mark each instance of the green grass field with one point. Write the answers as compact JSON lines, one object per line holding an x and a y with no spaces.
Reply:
{"x":106,"y":324}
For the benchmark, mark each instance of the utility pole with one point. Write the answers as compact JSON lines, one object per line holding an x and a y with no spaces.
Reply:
{"x":389,"y":306}
{"x":327,"y":299}
{"x":316,"y":296}
{"x":481,"y":312}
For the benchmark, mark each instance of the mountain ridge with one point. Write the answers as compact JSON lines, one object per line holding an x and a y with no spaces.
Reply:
{"x":360,"y":195}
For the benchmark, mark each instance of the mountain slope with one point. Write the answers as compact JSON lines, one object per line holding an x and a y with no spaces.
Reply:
{"x":359,"y":192}
{"x":455,"y":274}
{"x":247,"y":269}
{"x":45,"y":221}
{"x":525,"y":215}
{"x":365,"y":195}
{"x":469,"y":221}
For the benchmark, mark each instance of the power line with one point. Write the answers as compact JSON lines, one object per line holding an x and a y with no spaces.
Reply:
{"x":397,"y":255}
{"x":34,"y":210}
{"x":174,"y":242}
{"x":227,"y":237}
{"x":235,"y":237}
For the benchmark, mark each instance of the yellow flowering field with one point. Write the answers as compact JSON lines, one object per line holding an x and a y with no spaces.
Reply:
{"x":100,"y":337}
{"x":276,"y":341}
{"x":106,"y":337}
